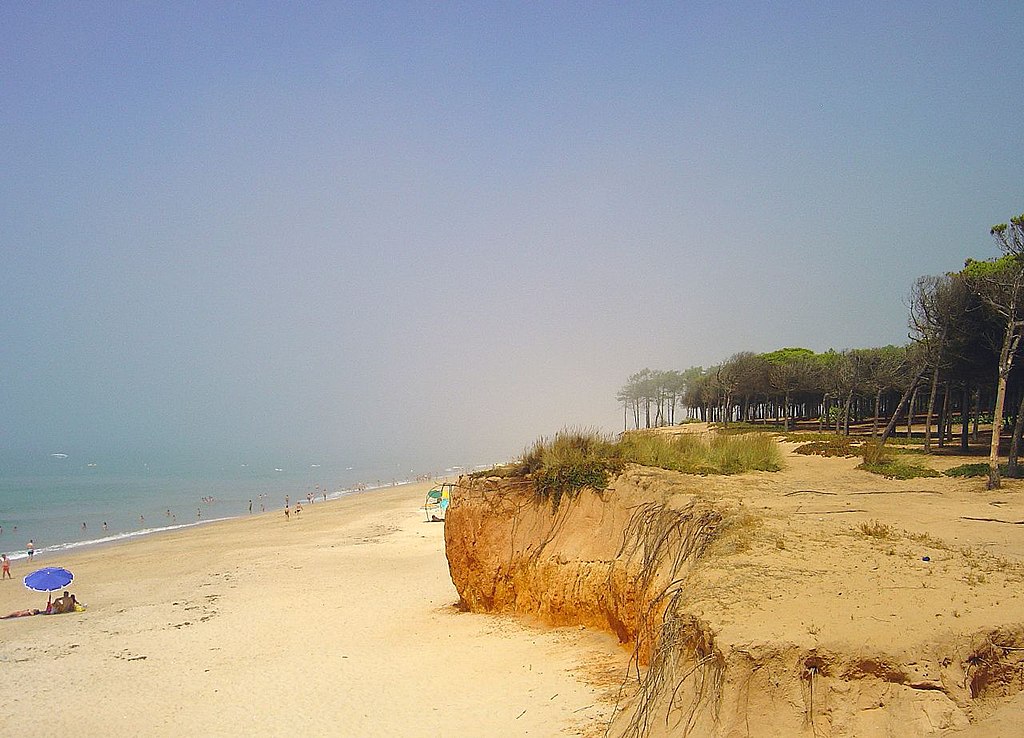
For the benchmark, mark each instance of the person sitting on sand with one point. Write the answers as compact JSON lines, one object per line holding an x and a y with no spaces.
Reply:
{"x":65,"y":603}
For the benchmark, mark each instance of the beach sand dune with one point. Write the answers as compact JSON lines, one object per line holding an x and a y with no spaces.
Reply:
{"x":339,"y":622}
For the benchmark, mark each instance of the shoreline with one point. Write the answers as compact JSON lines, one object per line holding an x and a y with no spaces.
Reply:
{"x":246,"y":623}
{"x":21,"y":554}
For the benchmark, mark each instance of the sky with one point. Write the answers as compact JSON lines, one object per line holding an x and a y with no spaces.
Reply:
{"x":435,"y":232}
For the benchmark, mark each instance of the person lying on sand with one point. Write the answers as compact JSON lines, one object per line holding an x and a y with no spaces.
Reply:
{"x":22,"y":614}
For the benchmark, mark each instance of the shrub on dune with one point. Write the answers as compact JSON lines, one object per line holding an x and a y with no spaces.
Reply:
{"x":575,"y":459}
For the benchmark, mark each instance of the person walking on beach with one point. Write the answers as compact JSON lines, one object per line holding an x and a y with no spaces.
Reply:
{"x":287,"y":513}
{"x":250,"y":507}
{"x":31,"y":549}
{"x":7,"y":568}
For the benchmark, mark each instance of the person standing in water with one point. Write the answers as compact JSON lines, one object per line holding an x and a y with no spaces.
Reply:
{"x":31,"y":549}
{"x":7,"y":568}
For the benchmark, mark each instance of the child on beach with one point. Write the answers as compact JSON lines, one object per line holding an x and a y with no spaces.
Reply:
{"x":7,"y":568}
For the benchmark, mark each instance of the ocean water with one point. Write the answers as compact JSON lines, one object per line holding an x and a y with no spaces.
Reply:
{"x":61,"y":503}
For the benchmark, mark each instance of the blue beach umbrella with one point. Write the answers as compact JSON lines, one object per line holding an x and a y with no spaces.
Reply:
{"x":49,"y":579}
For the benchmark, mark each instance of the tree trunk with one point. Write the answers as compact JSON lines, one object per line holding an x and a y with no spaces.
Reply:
{"x":878,"y":404}
{"x":965,"y":399}
{"x":910,"y":414}
{"x":846,"y":414}
{"x":1012,"y":469}
{"x":977,"y":413}
{"x":931,"y":394}
{"x":1010,"y":341}
{"x":944,"y":415}
{"x":929,"y":414}
{"x":899,"y":408}
{"x":997,"y":427}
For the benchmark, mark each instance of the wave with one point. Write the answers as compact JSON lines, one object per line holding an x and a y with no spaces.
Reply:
{"x":61,"y":547}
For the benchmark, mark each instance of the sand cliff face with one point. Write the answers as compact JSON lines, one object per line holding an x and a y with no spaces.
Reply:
{"x":596,"y":560}
{"x":740,"y":624}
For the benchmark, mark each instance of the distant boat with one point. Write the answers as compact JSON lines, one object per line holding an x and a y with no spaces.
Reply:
{"x":314,"y":466}
{"x":59,"y":456}
{"x":276,"y":469}
{"x":90,"y":465}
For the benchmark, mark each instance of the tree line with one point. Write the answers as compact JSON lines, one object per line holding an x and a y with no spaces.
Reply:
{"x":958,"y":371}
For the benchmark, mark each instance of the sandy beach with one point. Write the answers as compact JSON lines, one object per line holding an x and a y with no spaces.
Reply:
{"x":341,"y":621}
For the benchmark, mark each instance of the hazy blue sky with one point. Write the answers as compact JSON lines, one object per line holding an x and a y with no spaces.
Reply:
{"x":436,"y":231}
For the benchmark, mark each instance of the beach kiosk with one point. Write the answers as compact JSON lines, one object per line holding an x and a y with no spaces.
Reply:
{"x":436,"y":504}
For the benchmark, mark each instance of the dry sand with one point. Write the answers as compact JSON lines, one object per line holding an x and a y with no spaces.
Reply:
{"x":873,"y":573}
{"x":338,"y":622}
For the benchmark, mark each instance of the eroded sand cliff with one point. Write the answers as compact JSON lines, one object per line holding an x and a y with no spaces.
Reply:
{"x":818,"y":601}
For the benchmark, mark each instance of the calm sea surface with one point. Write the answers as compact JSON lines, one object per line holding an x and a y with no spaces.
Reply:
{"x":62,"y":504}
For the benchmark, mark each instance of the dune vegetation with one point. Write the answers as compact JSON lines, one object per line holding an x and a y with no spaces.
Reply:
{"x":576,"y":459}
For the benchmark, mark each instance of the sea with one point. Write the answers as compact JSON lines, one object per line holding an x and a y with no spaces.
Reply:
{"x":61,"y":503}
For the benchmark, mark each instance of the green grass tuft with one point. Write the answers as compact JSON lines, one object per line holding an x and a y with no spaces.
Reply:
{"x":577,"y":459}
{"x":877,"y":461}
{"x":740,"y":428}
{"x":835,"y":446}
{"x":974,"y":470}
